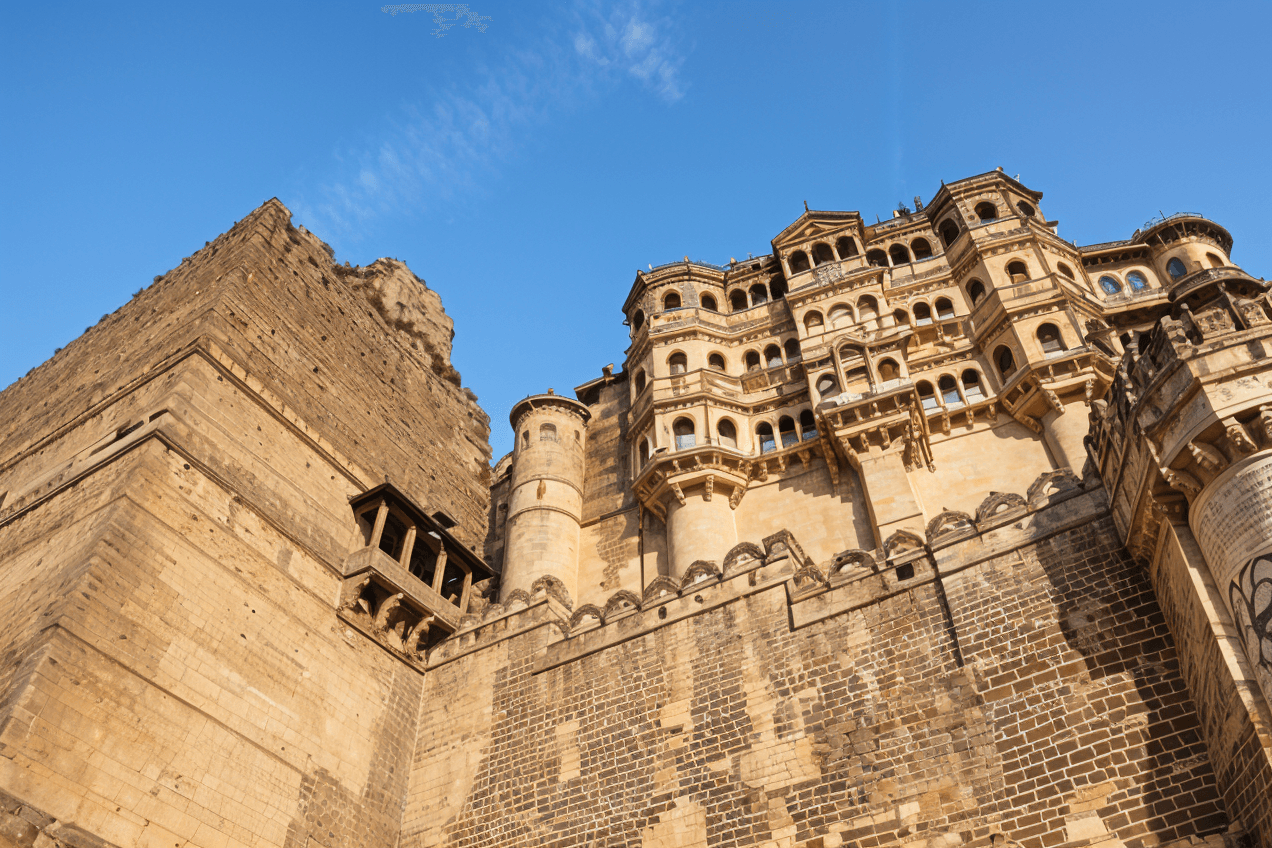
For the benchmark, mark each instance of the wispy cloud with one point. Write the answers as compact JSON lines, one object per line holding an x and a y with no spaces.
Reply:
{"x":453,"y":139}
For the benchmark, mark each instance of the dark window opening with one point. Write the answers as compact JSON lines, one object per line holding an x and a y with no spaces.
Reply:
{"x":640,"y":381}
{"x":1025,"y":209}
{"x":1018,"y":271}
{"x":972,"y":385}
{"x":986,"y":211}
{"x":927,"y":397}
{"x":944,"y":308}
{"x":709,"y":303}
{"x":877,"y":258}
{"x":671,"y":301}
{"x":1005,"y":361}
{"x":764,"y":434}
{"x":949,"y":391}
{"x":807,"y":425}
{"x":1049,"y":338}
{"x":679,"y":363}
{"x":949,"y":232}
{"x":682,"y":429}
{"x":847,"y":246}
{"x":922,"y":314}
{"x":921,"y":247}
{"x":1110,"y":284}
{"x":889,"y":371}
{"x":822,"y":253}
{"x":975,"y":290}
{"x":752,"y":360}
{"x":759,"y":294}
{"x":716,"y":362}
{"x":792,"y":350}
{"x":728,"y":433}
{"x":813,"y":321}
{"x":786,"y":429}
{"x":900,"y":255}
{"x":799,"y":262}
{"x":1176,"y":269}
{"x":772,"y":357}
{"x":547,"y":433}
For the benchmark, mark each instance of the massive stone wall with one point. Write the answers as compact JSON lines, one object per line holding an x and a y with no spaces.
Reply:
{"x":1018,"y":681}
{"x":175,"y":515}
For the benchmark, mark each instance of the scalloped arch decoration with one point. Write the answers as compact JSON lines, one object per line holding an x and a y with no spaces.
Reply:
{"x":998,"y":502}
{"x":741,"y":556}
{"x":701,"y":571}
{"x":1052,"y":482}
{"x":902,"y":542}
{"x":949,"y":521}
{"x":661,"y":586}
{"x":620,"y":602}
{"x":854,"y":560}
{"x":553,"y":588}
{"x":585,"y":612}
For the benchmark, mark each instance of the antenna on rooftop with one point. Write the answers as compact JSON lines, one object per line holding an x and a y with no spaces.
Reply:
{"x":649,"y":266}
{"x":805,"y":205}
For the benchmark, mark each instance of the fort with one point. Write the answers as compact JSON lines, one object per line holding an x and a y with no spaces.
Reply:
{"x":939,"y":531}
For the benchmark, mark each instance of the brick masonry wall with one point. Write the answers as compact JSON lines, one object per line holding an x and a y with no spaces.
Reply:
{"x":938,"y":715}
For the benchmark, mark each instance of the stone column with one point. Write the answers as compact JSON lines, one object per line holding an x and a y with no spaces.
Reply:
{"x":546,"y":502}
{"x":700,"y":527}
{"x":1064,"y":433}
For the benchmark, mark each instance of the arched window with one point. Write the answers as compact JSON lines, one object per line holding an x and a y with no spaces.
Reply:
{"x":643,"y":452}
{"x":777,"y":286}
{"x":827,"y":386}
{"x":547,"y":433}
{"x":949,"y":391}
{"x":901,"y":317}
{"x":671,"y":301}
{"x":867,"y":309}
{"x":678,"y":363}
{"x":899,"y":254}
{"x":764,"y":437}
{"x":949,"y":231}
{"x":709,"y":303}
{"x":986,"y":211}
{"x":975,"y":291}
{"x":1110,"y":284}
{"x":972,"y":386}
{"x":1016,"y":270}
{"x":1025,"y":209}
{"x":727,"y":432}
{"x":799,"y":262}
{"x":752,"y":360}
{"x":807,"y":425}
{"x":1005,"y":361}
{"x":921,"y":247}
{"x":1065,"y":269}
{"x":813,"y":322}
{"x":927,"y":397}
{"x":854,"y":368}
{"x":715,"y":362}
{"x":791,"y":347}
{"x":1050,"y":339}
{"x":822,"y":253}
{"x":772,"y":356}
{"x":786,"y":430}
{"x":737,"y":300}
{"x":1137,"y":280}
{"x":840,"y":316}
{"x":922,"y":314}
{"x":944,"y":308}
{"x":683,"y":431}
{"x":1215,"y":261}
{"x":525,"y":438}
{"x":847,"y":246}
{"x":889,"y":372}
{"x":638,"y":320}
{"x":1175,"y":268}
{"x":640,"y":381}
{"x":877,"y":258}
{"x":759,"y":294}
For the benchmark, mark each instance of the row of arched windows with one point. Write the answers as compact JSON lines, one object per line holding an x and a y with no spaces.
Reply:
{"x":772,"y":356}
{"x":845,"y":247}
{"x":951,"y":393}
{"x":842,"y":315}
{"x":1110,"y":284}
{"x":739,"y":299}
{"x":789,"y":433}
{"x":547,"y":433}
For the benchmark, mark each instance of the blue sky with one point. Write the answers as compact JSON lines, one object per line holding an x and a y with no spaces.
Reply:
{"x":527,"y":171}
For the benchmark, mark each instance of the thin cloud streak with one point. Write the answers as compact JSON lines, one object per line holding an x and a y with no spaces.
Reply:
{"x":452,"y":142}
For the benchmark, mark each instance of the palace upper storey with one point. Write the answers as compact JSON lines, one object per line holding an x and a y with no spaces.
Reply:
{"x":855,"y":388}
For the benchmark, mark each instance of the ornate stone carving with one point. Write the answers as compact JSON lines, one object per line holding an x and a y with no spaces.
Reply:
{"x":948,"y":523}
{"x":661,"y":586}
{"x":1181,"y":481}
{"x":742,"y":556}
{"x":701,"y":571}
{"x":1050,"y":483}
{"x":807,"y":579}
{"x":709,"y":482}
{"x":902,"y":541}
{"x":553,"y":588}
{"x":680,"y":495}
{"x":853,"y":561}
{"x":620,"y":602}
{"x":1208,"y":456}
{"x":1238,"y":436}
{"x":782,"y":543}
{"x":998,"y":503}
{"x":583,"y":613}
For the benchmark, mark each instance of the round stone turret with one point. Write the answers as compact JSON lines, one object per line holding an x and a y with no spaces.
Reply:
{"x":546,"y":501}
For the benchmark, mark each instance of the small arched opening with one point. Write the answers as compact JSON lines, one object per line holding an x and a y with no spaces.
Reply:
{"x":799,"y":262}
{"x":901,"y":317}
{"x":949,"y":391}
{"x":772,"y":357}
{"x":921,"y":248}
{"x":752,"y":360}
{"x":547,"y":432}
{"x":709,"y":303}
{"x":638,"y":320}
{"x":927,"y":397}
{"x":1176,"y":268}
{"x":900,"y":255}
{"x":975,"y":291}
{"x":1137,"y":280}
{"x":822,"y":253}
{"x":889,"y":373}
{"x":1110,"y":284}
{"x":972,"y":388}
{"x":786,"y":431}
{"x":671,"y":301}
{"x":759,"y":294}
{"x":737,"y":300}
{"x":1018,"y":271}
{"x":827,"y":386}
{"x":807,"y":425}
{"x":678,"y":363}
{"x":764,"y":437}
{"x":867,"y":309}
{"x":1065,"y":270}
{"x":791,"y":348}
{"x":715,"y":362}
{"x":683,"y":429}
{"x":922,"y":314}
{"x":944,"y":308}
{"x":840,"y":316}
{"x":949,"y":231}
{"x":525,"y":438}
{"x":643,"y":452}
{"x":1025,"y":209}
{"x":877,"y":258}
{"x":854,"y":363}
{"x":640,"y":381}
{"x":813,"y":322}
{"x":1215,"y":261}
{"x":847,"y":246}
{"x":777,"y":285}
{"x":1005,"y":360}
{"x":986,"y":211}
{"x":727,"y":432}
{"x":1050,"y":339}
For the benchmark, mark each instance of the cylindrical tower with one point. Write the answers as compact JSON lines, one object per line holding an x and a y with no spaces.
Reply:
{"x":699,"y":527}
{"x":546,"y":501}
